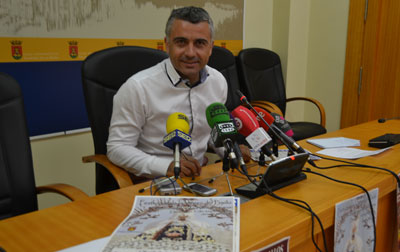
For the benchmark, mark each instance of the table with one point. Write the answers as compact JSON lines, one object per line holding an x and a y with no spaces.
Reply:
{"x":263,"y":220}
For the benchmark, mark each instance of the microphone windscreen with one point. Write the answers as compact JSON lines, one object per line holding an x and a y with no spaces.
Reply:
{"x":246,"y":122}
{"x":282,"y":124}
{"x":215,"y":113}
{"x":178,"y":121}
{"x":264,"y":114}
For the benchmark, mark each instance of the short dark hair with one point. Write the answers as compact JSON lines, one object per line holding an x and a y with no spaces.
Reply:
{"x":191,"y":14}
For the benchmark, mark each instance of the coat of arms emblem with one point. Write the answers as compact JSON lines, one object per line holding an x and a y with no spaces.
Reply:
{"x":16,"y":49}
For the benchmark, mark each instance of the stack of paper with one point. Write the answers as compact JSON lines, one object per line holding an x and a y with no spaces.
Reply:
{"x":334,"y":142}
{"x":339,"y":147}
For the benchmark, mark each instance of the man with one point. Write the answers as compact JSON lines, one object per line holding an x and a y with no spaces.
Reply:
{"x":182,"y":83}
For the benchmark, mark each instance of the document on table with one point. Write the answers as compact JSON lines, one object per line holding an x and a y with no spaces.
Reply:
{"x":169,"y":223}
{"x":354,"y":223}
{"x":349,"y":153}
{"x":334,"y":142}
{"x":91,"y":246}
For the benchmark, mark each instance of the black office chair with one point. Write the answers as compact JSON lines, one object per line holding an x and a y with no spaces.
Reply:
{"x":261,"y":78}
{"x":103,"y":73}
{"x":18,"y":192}
{"x":224,"y":61}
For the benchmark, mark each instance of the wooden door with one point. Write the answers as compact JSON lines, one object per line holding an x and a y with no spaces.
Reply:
{"x":371,"y":87}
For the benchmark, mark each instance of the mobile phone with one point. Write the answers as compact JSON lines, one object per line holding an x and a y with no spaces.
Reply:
{"x":200,"y":189}
{"x":168,"y":186}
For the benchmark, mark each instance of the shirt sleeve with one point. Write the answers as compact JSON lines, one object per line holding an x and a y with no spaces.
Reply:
{"x":127,"y":120}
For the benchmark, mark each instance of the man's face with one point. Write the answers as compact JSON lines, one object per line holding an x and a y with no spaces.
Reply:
{"x":189,"y":46}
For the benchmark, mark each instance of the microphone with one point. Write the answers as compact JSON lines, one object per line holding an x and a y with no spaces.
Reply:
{"x":177,"y":137}
{"x":249,"y":127}
{"x":281,"y":123}
{"x":285,"y":139}
{"x":275,"y":119}
{"x":223,"y":131}
{"x":242,"y":164}
{"x":382,"y":120}
{"x":237,"y":150}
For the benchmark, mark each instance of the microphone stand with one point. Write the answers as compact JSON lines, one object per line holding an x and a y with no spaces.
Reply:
{"x":177,"y":167}
{"x":275,"y":146}
{"x":261,"y":163}
{"x":228,"y":163}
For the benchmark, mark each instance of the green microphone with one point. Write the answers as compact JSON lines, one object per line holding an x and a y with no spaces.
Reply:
{"x":223,"y":131}
{"x":216,"y":113}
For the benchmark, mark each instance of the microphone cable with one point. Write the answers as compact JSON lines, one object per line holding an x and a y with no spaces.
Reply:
{"x":158,"y":188}
{"x":308,"y":170}
{"x":297,"y":202}
{"x":307,"y":207}
{"x":351,"y":164}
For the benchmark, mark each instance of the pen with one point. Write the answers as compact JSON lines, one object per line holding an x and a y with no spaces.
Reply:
{"x":185,"y":157}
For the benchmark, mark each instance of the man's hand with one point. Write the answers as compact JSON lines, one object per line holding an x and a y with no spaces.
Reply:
{"x":245,"y":152}
{"x":190,"y":167}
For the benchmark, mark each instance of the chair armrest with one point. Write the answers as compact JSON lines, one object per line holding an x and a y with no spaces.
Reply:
{"x":68,"y":191}
{"x":268,"y":106}
{"x":120,"y":175}
{"x":315,"y":102}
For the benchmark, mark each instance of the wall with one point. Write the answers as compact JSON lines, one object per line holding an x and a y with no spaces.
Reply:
{"x":58,"y":160}
{"x":309,"y":36}
{"x":316,"y":57}
{"x":258,"y":21}
{"x":326,"y":57}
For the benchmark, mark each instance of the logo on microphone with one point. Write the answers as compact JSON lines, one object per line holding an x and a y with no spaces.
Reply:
{"x":262,"y":114}
{"x":218,"y":109}
{"x":238,"y":123}
{"x":184,"y":136}
{"x":183,"y":117}
{"x":226,"y":127}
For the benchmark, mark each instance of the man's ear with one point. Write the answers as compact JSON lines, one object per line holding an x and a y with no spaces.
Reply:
{"x":166,"y":44}
{"x":212,"y":46}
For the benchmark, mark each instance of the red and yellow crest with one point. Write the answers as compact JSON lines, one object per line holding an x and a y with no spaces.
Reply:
{"x":16,"y":49}
{"x":73,"y":49}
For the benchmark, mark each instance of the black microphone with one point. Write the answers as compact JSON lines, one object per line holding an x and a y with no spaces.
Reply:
{"x":239,"y":155}
{"x":382,"y":120}
{"x":285,"y":139}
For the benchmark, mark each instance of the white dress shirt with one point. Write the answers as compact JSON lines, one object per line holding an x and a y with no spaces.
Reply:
{"x":140,"y":111}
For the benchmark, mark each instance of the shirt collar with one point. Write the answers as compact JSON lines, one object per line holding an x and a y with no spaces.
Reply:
{"x":175,"y":78}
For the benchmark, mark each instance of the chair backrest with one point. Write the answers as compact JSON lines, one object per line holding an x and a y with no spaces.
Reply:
{"x":224,"y":61}
{"x":103,"y":73}
{"x":260,"y":76}
{"x":17,"y":182}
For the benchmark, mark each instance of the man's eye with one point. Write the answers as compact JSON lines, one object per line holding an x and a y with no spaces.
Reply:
{"x":201,"y":43}
{"x":180,"y":42}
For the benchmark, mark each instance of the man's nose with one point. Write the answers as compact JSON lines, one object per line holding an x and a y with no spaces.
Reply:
{"x":190,"y":50}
